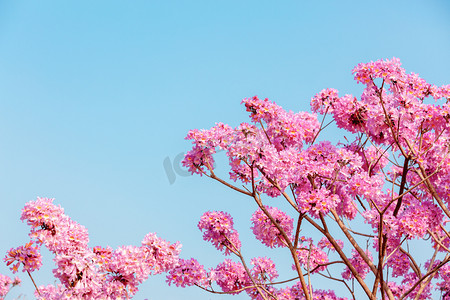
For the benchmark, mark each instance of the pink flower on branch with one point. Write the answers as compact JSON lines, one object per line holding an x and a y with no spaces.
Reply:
{"x":217,"y":228}
{"x":50,"y":226}
{"x":231,"y":277}
{"x":6,"y":284}
{"x":324,"y":101}
{"x":187,"y":273}
{"x":311,"y":257}
{"x":325,"y":243}
{"x":160,"y":255}
{"x":27,"y":256}
{"x":296,"y":292}
{"x":316,"y":202}
{"x":266,"y":232}
{"x":359,"y":264}
{"x":389,"y":69}
{"x":263,"y":270}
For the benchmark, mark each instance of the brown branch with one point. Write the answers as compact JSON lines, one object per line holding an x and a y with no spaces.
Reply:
{"x":35,"y":286}
{"x":423,"y":174}
{"x":213,"y":176}
{"x":363,"y":256}
{"x":285,"y":237}
{"x":432,"y":272}
{"x":342,"y":255}
{"x":402,"y":185}
{"x":412,"y":262}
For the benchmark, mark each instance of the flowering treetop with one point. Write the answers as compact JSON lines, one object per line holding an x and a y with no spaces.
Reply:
{"x":394,"y":173}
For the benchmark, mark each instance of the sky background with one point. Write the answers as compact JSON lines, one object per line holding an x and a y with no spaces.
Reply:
{"x":96,"y":95}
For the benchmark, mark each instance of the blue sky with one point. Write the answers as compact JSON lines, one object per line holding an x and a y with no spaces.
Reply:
{"x":95,"y":95}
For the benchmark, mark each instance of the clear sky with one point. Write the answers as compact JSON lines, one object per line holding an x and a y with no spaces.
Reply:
{"x":96,"y":95}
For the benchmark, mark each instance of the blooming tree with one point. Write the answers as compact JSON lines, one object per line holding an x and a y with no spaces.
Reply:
{"x":393,"y":174}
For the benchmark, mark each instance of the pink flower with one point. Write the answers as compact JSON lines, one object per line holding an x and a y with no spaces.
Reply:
{"x":230,"y":276}
{"x":359,"y":264}
{"x":28,"y":256}
{"x":316,"y":202}
{"x":325,"y":243}
{"x":311,"y":257}
{"x":444,"y":275}
{"x":6,"y":284}
{"x":296,"y":292}
{"x":77,"y":273}
{"x":399,"y":262}
{"x":188,"y":273}
{"x":218,"y":229}
{"x":49,"y":225}
{"x":324,"y":101}
{"x":388,"y":69}
{"x":266,"y":232}
{"x":409,"y":280}
{"x":261,"y":110}
{"x":263,"y":270}
{"x":51,"y":292}
{"x":199,"y":160}
{"x":418,"y":217}
{"x":160,"y":254}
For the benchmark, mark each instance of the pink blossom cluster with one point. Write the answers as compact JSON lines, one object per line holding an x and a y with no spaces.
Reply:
{"x":323,"y":102}
{"x":57,"y":291}
{"x":419,"y":217}
{"x":263,"y":269}
{"x":374,"y":158}
{"x":188,"y":272}
{"x":258,"y":154}
{"x":444,"y":276}
{"x":50,"y":226}
{"x":394,"y":75}
{"x":398,"y":261}
{"x":317,"y":202}
{"x":6,"y":284}
{"x":282,"y":127}
{"x":325,"y":243}
{"x":200,"y":159}
{"x":27,"y":256}
{"x":402,"y":103}
{"x":296,"y":292}
{"x":266,"y":231}
{"x":217,"y":227}
{"x":409,"y":281}
{"x":362,"y":268}
{"x":311,"y":257}
{"x":389,"y":69}
{"x":84,"y":272}
{"x":161,"y":255}
{"x":230,"y":276}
